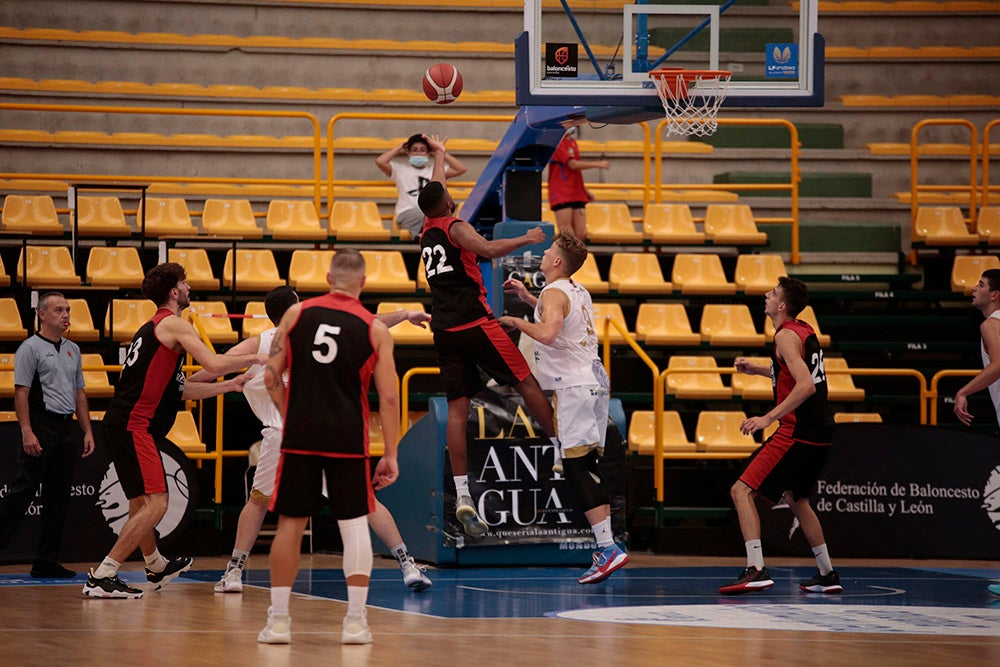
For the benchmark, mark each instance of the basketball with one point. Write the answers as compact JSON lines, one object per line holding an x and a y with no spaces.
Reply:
{"x":442,"y":83}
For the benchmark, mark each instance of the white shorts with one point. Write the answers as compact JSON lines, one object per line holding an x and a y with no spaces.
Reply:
{"x":581,"y":415}
{"x":267,"y":464}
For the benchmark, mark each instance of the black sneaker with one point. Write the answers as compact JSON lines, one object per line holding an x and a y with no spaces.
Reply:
{"x":51,"y":570}
{"x":823,"y":583}
{"x":109,"y":587}
{"x":175,"y":567}
{"x":751,"y":579}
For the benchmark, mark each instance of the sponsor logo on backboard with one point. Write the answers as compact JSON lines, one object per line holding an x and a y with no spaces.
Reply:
{"x":561,"y":60}
{"x":781,"y":61}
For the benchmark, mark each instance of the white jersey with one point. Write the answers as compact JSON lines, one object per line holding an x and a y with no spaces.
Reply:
{"x":255,"y":391}
{"x":995,"y":387}
{"x":410,"y":181}
{"x":573,"y":358}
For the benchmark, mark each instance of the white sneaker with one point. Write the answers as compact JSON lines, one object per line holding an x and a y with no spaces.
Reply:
{"x":413,"y":576}
{"x":231,"y":582}
{"x":278,"y":629}
{"x":356,"y":629}
{"x":465,"y":512}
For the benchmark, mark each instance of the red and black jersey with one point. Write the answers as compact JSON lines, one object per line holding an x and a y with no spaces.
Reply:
{"x":811,"y":420}
{"x":331,"y":359}
{"x":458,"y":296}
{"x":148,"y":393}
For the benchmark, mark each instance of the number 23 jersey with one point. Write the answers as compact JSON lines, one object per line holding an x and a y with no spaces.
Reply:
{"x":330,"y":360}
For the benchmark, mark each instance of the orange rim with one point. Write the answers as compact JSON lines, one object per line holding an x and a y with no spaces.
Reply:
{"x":668,"y":75}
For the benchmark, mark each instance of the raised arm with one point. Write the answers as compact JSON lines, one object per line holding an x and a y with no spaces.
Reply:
{"x":384,"y":161}
{"x":246,"y":346}
{"x":177,"y":331}
{"x":467,"y":237}
{"x":416,"y":317}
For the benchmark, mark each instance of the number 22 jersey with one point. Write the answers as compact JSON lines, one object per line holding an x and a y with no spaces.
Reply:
{"x":458,"y":296}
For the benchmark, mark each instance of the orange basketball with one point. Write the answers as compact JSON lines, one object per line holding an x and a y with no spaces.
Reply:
{"x":442,"y":83}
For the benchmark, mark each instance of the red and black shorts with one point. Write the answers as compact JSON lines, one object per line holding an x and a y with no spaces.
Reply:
{"x":136,"y":456}
{"x":298,"y":489}
{"x":785,"y":464}
{"x":462,"y":354}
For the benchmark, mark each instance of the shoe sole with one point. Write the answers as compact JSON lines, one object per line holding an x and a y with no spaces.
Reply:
{"x":418,"y":586}
{"x":750,"y":587}
{"x":356,"y":639}
{"x":104,"y":595}
{"x":170,"y":577}
{"x":229,"y":590}
{"x":617,"y":564}
{"x":829,"y":590}
{"x":283,"y":639}
{"x":471,"y":523}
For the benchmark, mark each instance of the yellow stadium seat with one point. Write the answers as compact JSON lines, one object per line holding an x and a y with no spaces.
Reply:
{"x":732,"y":224}
{"x":166,"y":217}
{"x":695,"y":386}
{"x":988,"y":225}
{"x":307,"y":270}
{"x":360,"y":221}
{"x":96,"y":382}
{"x":603,"y":310}
{"x":376,"y":443}
{"x":588,"y":275}
{"x":422,"y":277}
{"x":729,"y":324}
{"x":230,"y":217}
{"x":857,"y":418}
{"x":700,"y":274}
{"x":4,"y":278}
{"x":293,"y":220}
{"x":758,"y":274}
{"x":611,"y":223}
{"x":129,"y":315}
{"x":637,"y":273}
{"x":406,"y":333}
{"x":81,"y":323}
{"x":807,"y":315}
{"x":256,"y":271}
{"x":665,"y":324}
{"x":385,"y":272}
{"x":942,"y":225}
{"x":31,"y":214}
{"x":114,"y":267}
{"x":48,"y":266}
{"x":753,"y":387}
{"x":10,"y":321}
{"x":719,"y":431}
{"x":100,"y":216}
{"x":184,"y":433}
{"x":671,"y":224}
{"x":7,"y":416}
{"x":259,"y":323}
{"x":642,"y":436}
{"x":968,"y":269}
{"x":196,"y":266}
{"x":840,"y":386}
{"x":213,"y":318}
{"x":7,"y":375}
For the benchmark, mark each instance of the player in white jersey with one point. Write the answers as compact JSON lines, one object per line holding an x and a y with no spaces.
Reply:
{"x":252,"y":516}
{"x":986,"y":299}
{"x":568,"y":363}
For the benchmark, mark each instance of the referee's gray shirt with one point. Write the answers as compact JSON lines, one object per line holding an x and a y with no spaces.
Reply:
{"x":52,"y":369}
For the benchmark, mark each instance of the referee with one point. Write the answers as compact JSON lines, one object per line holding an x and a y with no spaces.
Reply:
{"x":48,"y":389}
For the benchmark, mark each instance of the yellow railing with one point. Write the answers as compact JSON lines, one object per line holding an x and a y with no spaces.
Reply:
{"x":916,"y":188}
{"x":404,"y":393}
{"x":936,"y":380}
{"x":987,"y":154}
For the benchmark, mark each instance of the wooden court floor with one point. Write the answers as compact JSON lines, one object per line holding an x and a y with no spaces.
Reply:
{"x":187,"y":624}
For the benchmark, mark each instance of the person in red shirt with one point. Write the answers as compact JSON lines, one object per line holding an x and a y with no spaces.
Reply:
{"x":568,"y":196}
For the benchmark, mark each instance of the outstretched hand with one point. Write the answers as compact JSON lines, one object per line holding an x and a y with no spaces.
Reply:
{"x":435,"y":142}
{"x":418,"y":317}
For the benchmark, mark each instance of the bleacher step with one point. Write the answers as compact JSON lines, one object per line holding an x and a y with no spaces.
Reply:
{"x":811,"y":135}
{"x":812,"y":185}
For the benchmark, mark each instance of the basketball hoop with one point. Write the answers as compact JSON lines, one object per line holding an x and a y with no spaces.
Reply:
{"x":691,"y":98}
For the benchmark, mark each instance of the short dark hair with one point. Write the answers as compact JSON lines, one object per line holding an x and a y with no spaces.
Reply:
{"x":278,"y":301}
{"x":430,"y":198}
{"x":346,"y":263}
{"x":416,"y":139}
{"x":573,"y":250}
{"x":160,"y":280}
{"x":794,"y":293}
{"x":990,"y":276}
{"x":43,"y":300}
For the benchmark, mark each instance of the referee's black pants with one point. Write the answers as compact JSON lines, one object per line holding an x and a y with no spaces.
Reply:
{"x":61,"y":439}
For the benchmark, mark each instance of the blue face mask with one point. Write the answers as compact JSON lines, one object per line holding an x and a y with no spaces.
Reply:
{"x":419,"y":160}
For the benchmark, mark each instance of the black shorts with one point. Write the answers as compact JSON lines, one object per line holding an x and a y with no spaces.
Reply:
{"x":136,"y":455}
{"x":568,"y":204}
{"x":461,"y":354}
{"x":785,"y":464}
{"x":298,"y":488}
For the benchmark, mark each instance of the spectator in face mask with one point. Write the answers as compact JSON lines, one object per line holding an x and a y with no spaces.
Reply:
{"x":411,"y":173}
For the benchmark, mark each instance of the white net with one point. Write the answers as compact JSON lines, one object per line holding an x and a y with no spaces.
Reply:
{"x":691,"y":99}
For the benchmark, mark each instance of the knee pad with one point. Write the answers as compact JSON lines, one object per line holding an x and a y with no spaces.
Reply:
{"x":582,"y":474}
{"x":357,"y":546}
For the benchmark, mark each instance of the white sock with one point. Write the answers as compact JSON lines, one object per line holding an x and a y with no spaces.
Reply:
{"x":462,"y":486}
{"x":755,"y":554}
{"x":823,"y":559}
{"x":155,"y":561}
{"x":107,"y":568}
{"x":602,"y":531}
{"x":239,"y":559}
{"x":279,"y":599}
{"x":399,"y":552}
{"x":357,"y":596}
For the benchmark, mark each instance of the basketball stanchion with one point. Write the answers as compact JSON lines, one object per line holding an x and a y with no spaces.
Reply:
{"x":691,"y":98}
